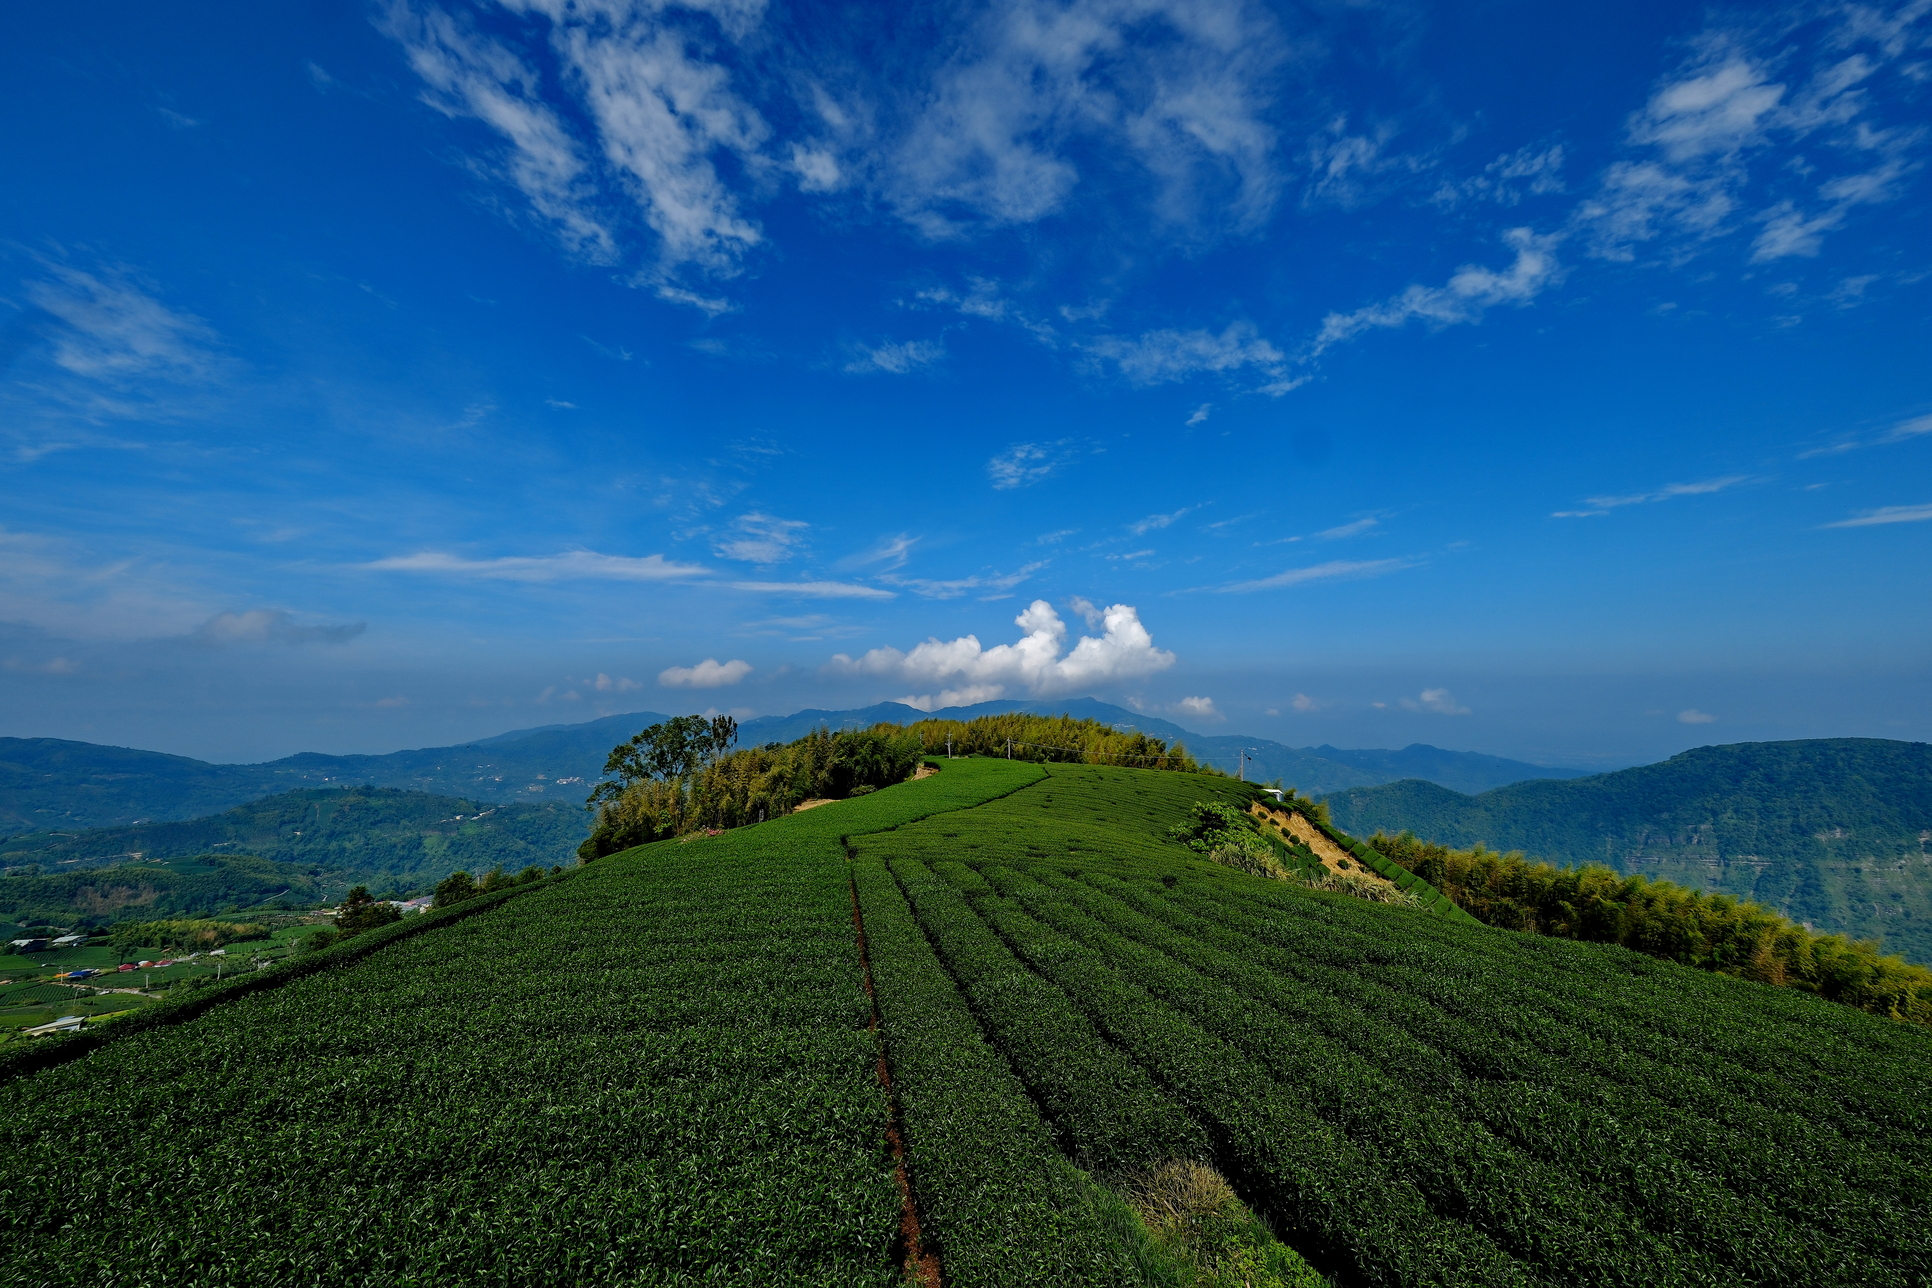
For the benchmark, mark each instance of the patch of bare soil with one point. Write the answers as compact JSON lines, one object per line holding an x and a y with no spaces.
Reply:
{"x":813,"y":803}
{"x":1290,"y":825}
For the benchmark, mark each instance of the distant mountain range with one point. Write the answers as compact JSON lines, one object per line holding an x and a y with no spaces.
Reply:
{"x":296,"y":847}
{"x":49,"y":784}
{"x":1833,"y":832}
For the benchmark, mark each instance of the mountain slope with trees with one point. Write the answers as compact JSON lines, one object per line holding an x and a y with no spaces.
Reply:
{"x":1832,"y":832}
{"x":51,"y":784}
{"x":316,"y":841}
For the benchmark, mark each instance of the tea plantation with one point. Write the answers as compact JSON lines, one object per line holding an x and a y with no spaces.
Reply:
{"x":937,"y":1032}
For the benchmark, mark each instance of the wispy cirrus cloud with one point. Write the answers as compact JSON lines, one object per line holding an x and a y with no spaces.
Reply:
{"x":660,"y":117}
{"x":998,"y":584}
{"x":1725,"y":124}
{"x":466,"y":74}
{"x":1166,"y":355}
{"x":1356,"y":528}
{"x":896,"y":358}
{"x":813,"y":589}
{"x":1153,"y":522}
{"x":1333,"y":570}
{"x":272,"y":626}
{"x":1471,"y":291}
{"x":1602,"y":505}
{"x":571,"y":565}
{"x":1530,"y":171}
{"x":761,"y":539}
{"x":1173,"y":92}
{"x":1025,"y":464}
{"x":111,"y":326}
{"x":1884,"y":515}
{"x":1904,"y":431}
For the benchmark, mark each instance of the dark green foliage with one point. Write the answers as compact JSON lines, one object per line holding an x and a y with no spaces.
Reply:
{"x":182,"y":888}
{"x":747,"y":787}
{"x":192,"y":935}
{"x":1212,"y":825}
{"x":677,"y":748}
{"x":359,"y":911}
{"x":1412,"y":1100}
{"x":1710,"y":932}
{"x":1051,"y":740}
{"x":658,"y":1071}
{"x":1826,"y":831}
{"x":455,"y":888}
{"x":995,"y":1193}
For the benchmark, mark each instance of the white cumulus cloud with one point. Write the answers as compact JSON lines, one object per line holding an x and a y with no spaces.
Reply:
{"x":1199,"y":708}
{"x":1437,"y":700}
{"x":1039,"y":662}
{"x":708,"y":674}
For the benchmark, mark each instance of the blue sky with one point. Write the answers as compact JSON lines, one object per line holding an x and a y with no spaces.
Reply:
{"x":1510,"y":377}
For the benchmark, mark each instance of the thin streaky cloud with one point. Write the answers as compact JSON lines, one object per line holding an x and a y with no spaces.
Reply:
{"x":897,"y":358}
{"x":572,"y":565}
{"x":1668,"y":492}
{"x":813,"y":589}
{"x":1333,"y":570}
{"x":1469,"y":294}
{"x":1884,"y":515}
{"x":998,"y":583}
{"x":1355,"y":529}
{"x":1141,"y":527}
{"x":112,"y":327}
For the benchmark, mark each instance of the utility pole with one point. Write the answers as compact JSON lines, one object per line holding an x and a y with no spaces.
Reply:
{"x":949,"y":746}
{"x":1009,"y":749}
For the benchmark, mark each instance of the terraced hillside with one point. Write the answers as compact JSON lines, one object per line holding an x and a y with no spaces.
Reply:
{"x":665,"y":1068}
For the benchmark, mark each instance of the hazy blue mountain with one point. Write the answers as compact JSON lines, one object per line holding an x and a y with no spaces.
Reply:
{"x":49,"y":784}
{"x":1833,"y":832}
{"x":1309,"y":769}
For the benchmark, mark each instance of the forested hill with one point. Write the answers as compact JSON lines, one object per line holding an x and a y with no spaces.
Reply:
{"x":52,"y":783}
{"x":1833,"y":832}
{"x":386,"y":837}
